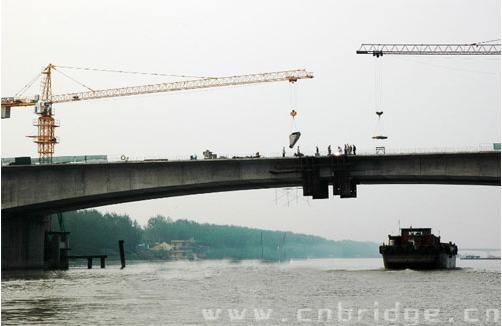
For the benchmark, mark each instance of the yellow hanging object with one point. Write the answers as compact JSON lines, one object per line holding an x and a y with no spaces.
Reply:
{"x":292,"y":113}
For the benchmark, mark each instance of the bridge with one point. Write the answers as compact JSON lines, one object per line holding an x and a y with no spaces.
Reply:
{"x":45,"y":189}
{"x":31,"y":192}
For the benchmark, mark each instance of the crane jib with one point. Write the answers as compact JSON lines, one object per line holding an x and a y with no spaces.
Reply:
{"x":430,"y":49}
{"x":291,"y":76}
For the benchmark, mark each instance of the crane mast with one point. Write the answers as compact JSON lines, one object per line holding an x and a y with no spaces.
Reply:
{"x":45,"y":138}
{"x":46,"y":124}
{"x":379,"y":50}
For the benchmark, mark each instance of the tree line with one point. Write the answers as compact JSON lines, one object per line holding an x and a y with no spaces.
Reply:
{"x":93,"y":232}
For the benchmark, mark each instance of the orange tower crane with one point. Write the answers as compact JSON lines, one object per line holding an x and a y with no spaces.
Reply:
{"x":46,"y":124}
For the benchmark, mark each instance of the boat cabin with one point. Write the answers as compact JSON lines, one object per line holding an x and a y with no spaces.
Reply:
{"x":419,"y":231}
{"x":414,"y":236}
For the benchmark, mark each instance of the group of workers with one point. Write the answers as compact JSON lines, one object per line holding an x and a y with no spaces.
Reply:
{"x":347,"y":150}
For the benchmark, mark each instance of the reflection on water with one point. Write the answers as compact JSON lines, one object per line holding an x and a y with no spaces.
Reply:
{"x":187,"y":293}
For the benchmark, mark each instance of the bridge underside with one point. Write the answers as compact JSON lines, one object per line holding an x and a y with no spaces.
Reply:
{"x":466,"y":181}
{"x":144,"y":194}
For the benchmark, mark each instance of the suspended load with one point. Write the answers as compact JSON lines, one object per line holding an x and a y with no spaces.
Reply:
{"x":293,"y":138}
{"x":379,"y":130}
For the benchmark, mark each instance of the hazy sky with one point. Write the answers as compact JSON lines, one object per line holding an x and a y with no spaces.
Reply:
{"x":429,"y":102}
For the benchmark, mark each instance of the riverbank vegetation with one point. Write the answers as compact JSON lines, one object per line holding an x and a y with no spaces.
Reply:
{"x":95,"y":233}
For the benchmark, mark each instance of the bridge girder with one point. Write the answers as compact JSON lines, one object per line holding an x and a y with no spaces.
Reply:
{"x":63,"y":187}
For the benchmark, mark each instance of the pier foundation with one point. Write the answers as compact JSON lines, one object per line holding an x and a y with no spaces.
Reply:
{"x":23,"y":241}
{"x":28,"y":243}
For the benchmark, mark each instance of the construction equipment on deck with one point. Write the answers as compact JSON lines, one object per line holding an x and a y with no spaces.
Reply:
{"x":45,"y":139}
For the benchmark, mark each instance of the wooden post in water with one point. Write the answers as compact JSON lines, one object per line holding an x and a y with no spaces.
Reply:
{"x":89,"y":262}
{"x":102,"y":261}
{"x":122,"y":255}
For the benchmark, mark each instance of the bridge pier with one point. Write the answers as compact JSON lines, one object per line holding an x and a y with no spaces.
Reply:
{"x":28,"y":243}
{"x":344,"y":185}
{"x":317,"y":186}
{"x":312,"y":183}
{"x":23,"y":241}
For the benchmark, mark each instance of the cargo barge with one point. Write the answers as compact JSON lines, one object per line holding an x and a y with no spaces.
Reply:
{"x":418,"y":248}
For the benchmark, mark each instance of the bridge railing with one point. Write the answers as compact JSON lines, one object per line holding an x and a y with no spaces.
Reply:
{"x":432,"y":150}
{"x":491,"y":147}
{"x":364,"y":151}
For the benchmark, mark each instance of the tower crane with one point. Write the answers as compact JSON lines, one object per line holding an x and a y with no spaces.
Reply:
{"x":46,"y":124}
{"x":491,"y":47}
{"x":481,"y":48}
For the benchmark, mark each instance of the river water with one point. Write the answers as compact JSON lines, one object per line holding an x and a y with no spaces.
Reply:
{"x":307,"y":292}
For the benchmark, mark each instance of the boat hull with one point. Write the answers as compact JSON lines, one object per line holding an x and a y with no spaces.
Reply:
{"x":419,"y":261}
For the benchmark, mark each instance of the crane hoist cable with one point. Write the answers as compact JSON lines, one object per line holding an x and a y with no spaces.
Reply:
{"x":294,"y":135}
{"x":378,"y":84}
{"x":293,"y":104}
{"x":378,"y":133}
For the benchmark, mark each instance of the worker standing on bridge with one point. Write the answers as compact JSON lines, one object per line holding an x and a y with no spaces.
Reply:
{"x":329,"y":150}
{"x":354,"y":148}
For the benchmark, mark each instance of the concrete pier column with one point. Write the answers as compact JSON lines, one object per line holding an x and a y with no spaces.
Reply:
{"x":23,"y":241}
{"x":56,"y":250}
